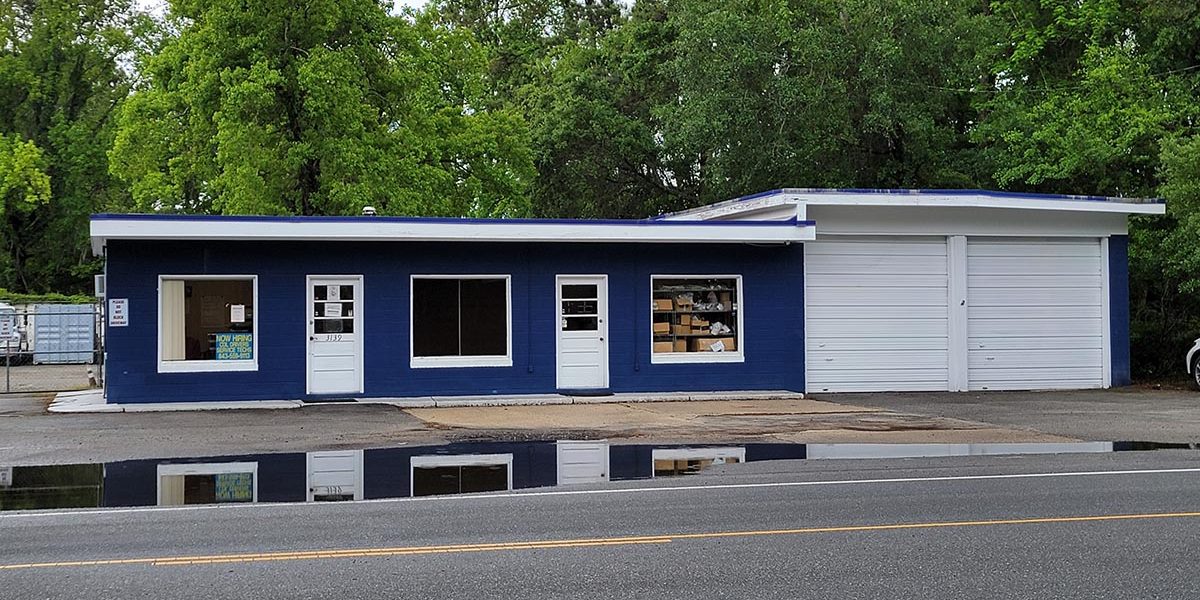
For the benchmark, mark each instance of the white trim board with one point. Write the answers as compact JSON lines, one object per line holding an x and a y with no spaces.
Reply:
{"x":369,"y":229}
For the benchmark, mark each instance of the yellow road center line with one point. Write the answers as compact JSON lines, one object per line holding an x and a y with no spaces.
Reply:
{"x":569,"y":543}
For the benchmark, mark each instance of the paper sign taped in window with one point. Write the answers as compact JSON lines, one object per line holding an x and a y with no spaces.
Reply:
{"x":237,"y":313}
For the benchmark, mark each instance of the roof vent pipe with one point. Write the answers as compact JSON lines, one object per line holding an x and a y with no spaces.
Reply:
{"x":368,"y":211}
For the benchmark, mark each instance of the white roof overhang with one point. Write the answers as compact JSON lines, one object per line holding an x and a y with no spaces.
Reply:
{"x":358,"y":229}
{"x":770,"y":203}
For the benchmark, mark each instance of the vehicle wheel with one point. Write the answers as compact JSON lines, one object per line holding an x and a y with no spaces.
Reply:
{"x":1196,"y":372}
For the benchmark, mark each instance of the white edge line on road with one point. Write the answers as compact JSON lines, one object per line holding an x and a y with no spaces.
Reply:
{"x":633,"y":490}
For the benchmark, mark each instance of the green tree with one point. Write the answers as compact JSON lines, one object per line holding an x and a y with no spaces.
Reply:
{"x":60,"y":85}
{"x":263,"y":109}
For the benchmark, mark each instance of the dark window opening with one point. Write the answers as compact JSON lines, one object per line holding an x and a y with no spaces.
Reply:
{"x":460,"y":317}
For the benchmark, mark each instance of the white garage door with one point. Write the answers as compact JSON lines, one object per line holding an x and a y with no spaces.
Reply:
{"x":876,"y":316}
{"x":1035,"y":314}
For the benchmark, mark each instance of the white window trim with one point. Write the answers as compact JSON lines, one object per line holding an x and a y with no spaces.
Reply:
{"x":437,"y":362}
{"x":208,"y":469}
{"x":737,"y":356}
{"x":206,"y":366}
{"x":696,"y":453}
{"x":458,"y":460}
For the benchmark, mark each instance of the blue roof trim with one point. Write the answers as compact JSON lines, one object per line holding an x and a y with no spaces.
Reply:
{"x":793,"y":222}
{"x":942,"y":192}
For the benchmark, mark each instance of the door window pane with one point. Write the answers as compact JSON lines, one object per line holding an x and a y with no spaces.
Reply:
{"x":460,"y":317}
{"x":580,"y":324}
{"x":579,"y":290}
{"x":579,"y":307}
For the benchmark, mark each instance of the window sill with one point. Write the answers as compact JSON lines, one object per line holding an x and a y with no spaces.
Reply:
{"x":206,"y":366}
{"x":451,"y":362}
{"x":678,"y":358}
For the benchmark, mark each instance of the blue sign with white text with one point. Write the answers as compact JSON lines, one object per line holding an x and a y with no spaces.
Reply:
{"x":235,"y":346}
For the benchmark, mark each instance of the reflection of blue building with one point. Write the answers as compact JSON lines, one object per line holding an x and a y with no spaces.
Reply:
{"x":407,"y":471}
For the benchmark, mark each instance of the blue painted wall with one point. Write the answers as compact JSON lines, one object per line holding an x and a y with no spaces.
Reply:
{"x":1118,"y":303}
{"x":772,"y":303}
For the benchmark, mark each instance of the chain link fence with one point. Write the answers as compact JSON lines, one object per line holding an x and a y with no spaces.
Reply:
{"x":50,"y":347}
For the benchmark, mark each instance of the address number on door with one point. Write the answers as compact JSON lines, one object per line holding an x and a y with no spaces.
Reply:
{"x":331,"y":337}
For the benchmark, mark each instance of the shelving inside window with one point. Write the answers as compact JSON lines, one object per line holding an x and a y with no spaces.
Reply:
{"x":695,"y":315}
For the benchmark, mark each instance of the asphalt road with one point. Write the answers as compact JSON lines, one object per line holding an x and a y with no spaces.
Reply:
{"x":1107,"y":526}
{"x":1125,"y":414}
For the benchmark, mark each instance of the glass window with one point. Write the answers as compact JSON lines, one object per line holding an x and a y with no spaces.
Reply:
{"x":460,"y":317}
{"x":207,"y":319}
{"x":695,"y":316}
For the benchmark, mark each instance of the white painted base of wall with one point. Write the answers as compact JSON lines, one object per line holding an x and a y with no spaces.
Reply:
{"x":92,"y":401}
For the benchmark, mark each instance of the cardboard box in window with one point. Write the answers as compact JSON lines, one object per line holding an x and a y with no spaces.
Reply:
{"x":663,"y":347}
{"x":662,"y":328}
{"x":681,"y":345}
{"x":663,"y":304}
{"x":685,"y":319}
{"x":699,"y":324}
{"x":681,"y":329}
{"x":726,"y":299}
{"x":721,"y":344}
{"x":684,"y":301}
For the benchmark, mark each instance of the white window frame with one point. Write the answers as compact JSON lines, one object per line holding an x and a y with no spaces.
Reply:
{"x":432,"y":461}
{"x":206,"y":366}
{"x":435,"y":362}
{"x":738,"y":452}
{"x":736,"y":356}
{"x":207,"y":469}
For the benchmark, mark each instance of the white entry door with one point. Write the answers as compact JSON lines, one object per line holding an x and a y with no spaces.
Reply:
{"x":582,"y":305}
{"x":335,"y":348}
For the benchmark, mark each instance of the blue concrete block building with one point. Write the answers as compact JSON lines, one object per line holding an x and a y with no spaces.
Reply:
{"x":798,"y":290}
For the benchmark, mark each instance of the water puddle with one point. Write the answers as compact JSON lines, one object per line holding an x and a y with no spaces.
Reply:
{"x":458,"y":468}
{"x":341,"y":475}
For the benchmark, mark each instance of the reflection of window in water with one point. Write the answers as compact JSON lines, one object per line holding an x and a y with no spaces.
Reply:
{"x":688,"y":466}
{"x":206,"y":483}
{"x":208,"y":489}
{"x":459,"y":480}
{"x":670,"y":462}
{"x":461,"y":474}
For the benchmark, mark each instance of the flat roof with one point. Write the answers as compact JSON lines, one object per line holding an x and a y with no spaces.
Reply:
{"x":918,"y":197}
{"x":106,"y":227}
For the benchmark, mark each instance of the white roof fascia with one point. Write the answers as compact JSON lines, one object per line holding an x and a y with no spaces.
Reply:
{"x":443,"y":231}
{"x":735,"y":209}
{"x":1147,"y":208}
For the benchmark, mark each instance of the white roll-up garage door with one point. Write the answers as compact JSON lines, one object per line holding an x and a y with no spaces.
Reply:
{"x":876,"y":315}
{"x":1035,"y":314}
